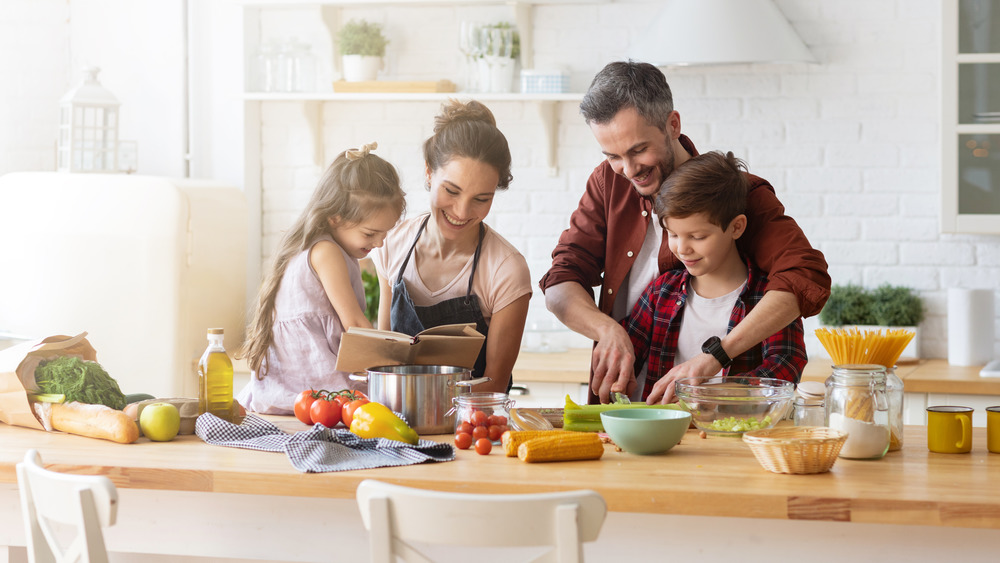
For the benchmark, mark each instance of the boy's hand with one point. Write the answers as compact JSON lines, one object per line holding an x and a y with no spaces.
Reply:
{"x":613,"y":359}
{"x":702,"y":365}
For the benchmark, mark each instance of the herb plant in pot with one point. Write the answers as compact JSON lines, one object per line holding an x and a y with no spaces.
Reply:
{"x":881,"y":308}
{"x":362,"y":46}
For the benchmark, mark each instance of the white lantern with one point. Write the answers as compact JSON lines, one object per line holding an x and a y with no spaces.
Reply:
{"x":88,"y":127}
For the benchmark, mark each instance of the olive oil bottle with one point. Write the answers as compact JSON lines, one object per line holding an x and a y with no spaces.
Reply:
{"x":215,"y":378}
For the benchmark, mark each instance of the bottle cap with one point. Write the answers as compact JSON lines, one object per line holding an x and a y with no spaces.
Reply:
{"x":215,"y":331}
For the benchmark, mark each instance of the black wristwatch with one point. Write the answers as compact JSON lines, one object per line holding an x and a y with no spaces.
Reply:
{"x":713,"y":346}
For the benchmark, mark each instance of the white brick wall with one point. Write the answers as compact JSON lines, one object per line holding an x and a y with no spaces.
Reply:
{"x":851,"y":144}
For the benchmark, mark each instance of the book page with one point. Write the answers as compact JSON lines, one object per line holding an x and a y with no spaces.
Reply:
{"x":380,"y":334}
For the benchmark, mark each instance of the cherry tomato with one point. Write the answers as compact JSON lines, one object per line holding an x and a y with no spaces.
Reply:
{"x":465,"y":427}
{"x":480,"y":432}
{"x":303,"y":402}
{"x":494,"y":432}
{"x":483,"y":446}
{"x":347,"y":411}
{"x":325,"y":412}
{"x":463,"y":440}
{"x":498,"y":419}
{"x":479,"y":418}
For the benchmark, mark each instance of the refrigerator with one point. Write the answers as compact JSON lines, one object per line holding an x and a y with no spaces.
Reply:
{"x":144,"y":265}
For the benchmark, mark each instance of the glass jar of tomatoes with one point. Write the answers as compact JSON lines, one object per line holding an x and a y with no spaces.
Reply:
{"x":483,"y":415}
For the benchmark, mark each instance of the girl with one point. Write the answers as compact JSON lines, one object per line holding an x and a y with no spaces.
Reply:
{"x":447,"y":266}
{"x":314,"y":290}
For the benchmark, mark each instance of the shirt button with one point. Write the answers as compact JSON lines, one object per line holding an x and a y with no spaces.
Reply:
{"x":644,"y":213}
{"x":610,"y":291}
{"x":629,"y":253}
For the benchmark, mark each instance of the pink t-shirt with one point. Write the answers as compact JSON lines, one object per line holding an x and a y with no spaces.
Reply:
{"x":501,"y":277}
{"x":307,"y":335}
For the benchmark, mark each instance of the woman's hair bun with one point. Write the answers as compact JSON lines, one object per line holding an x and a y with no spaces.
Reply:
{"x":454,"y":111}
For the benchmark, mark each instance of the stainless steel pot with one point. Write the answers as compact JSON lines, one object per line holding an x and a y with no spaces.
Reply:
{"x":422,"y":394}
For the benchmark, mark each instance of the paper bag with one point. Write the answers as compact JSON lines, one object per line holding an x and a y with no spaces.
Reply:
{"x":17,"y":373}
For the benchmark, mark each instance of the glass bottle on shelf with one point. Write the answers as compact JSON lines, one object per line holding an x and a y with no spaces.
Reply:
{"x":857,"y":403}
{"x":215,"y":378}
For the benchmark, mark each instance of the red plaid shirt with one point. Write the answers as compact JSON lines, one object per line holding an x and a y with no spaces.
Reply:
{"x":655,"y":324}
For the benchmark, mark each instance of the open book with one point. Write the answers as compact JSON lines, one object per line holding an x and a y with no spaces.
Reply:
{"x":448,"y":345}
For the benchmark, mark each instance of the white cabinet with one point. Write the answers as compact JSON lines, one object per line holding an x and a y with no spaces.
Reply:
{"x":970,"y":116}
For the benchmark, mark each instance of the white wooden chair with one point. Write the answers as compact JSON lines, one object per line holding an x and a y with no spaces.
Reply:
{"x":396,"y":515}
{"x":86,"y":502}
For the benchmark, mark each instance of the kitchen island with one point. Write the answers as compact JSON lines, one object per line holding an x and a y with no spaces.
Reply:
{"x":227,"y":502}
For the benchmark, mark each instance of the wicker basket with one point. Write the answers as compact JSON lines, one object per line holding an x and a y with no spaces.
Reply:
{"x":796,"y":449}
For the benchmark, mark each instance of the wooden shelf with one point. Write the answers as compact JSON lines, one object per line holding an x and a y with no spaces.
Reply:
{"x":406,"y":97}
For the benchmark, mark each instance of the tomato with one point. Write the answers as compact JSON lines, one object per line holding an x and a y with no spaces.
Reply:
{"x":463,"y":440}
{"x":480,"y":432}
{"x":326,"y":412}
{"x":479,"y":418}
{"x":483,"y":446}
{"x":497,"y":419}
{"x":347,"y":411}
{"x":495,"y":432}
{"x":464,"y":427}
{"x":304,"y":401}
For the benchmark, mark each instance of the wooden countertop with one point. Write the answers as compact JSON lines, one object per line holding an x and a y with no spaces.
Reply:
{"x":922,"y":376}
{"x":709,"y":477}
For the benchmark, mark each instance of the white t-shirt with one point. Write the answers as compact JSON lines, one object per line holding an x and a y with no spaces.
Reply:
{"x":502,"y":275}
{"x":703,"y":318}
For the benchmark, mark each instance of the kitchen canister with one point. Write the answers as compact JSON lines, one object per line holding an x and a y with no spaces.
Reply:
{"x":808,"y":405}
{"x":540,"y":81}
{"x":857,"y":403}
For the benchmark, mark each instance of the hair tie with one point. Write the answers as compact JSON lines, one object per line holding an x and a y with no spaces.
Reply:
{"x":355,"y":154}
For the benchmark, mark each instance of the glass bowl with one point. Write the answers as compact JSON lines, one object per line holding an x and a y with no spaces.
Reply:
{"x":730,"y":406}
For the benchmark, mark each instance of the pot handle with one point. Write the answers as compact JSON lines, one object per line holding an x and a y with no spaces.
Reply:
{"x":471,"y":382}
{"x":357,"y":377}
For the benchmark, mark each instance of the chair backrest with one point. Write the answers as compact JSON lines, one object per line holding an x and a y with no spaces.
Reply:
{"x":86,"y":502}
{"x":396,"y":515}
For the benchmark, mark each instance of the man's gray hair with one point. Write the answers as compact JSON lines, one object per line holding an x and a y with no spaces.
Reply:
{"x":625,"y":84}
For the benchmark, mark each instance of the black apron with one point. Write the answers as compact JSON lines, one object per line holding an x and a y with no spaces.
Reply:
{"x":410,"y":319}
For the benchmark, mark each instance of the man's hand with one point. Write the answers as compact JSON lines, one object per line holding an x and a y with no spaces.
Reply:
{"x":702,"y":365}
{"x":613,"y":360}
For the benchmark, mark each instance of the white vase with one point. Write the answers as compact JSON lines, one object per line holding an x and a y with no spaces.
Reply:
{"x":360,"y":68}
{"x":496,"y":74}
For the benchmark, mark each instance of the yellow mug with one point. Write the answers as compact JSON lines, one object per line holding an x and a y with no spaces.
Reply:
{"x":949,"y":430}
{"x":993,"y":429}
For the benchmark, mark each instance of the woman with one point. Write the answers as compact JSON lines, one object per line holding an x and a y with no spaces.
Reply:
{"x":447,"y":266}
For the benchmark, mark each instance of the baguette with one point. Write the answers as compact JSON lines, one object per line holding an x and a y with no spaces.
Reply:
{"x":94,"y":421}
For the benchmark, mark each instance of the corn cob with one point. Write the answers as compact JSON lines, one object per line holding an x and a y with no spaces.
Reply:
{"x":512,"y":439}
{"x":566,"y":447}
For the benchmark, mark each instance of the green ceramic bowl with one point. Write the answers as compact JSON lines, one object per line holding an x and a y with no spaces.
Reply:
{"x":646,"y":431}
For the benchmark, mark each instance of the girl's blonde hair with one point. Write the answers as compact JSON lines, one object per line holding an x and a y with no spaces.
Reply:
{"x":356,"y":185}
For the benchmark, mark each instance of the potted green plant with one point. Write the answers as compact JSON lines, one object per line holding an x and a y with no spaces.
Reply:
{"x":362,"y":45}
{"x":884,"y":307}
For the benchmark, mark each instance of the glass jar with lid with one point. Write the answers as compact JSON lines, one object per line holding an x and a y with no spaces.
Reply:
{"x":857,"y":403}
{"x":490,"y":411}
{"x":808,"y":406}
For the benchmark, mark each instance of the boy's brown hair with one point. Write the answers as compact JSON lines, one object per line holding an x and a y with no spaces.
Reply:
{"x":713,"y":183}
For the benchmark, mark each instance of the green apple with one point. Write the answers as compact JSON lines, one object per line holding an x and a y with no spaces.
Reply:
{"x":160,"y":422}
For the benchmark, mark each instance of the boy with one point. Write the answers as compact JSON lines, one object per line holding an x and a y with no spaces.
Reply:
{"x":685,"y":312}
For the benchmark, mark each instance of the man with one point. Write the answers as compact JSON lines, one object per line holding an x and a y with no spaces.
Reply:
{"x":614,"y":241}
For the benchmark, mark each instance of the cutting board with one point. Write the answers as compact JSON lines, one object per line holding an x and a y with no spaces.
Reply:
{"x":394,"y":86}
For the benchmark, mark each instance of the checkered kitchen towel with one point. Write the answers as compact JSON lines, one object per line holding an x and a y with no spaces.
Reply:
{"x":319,"y":449}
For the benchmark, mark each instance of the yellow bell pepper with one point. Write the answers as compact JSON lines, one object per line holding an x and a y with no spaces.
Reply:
{"x":375,"y":420}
